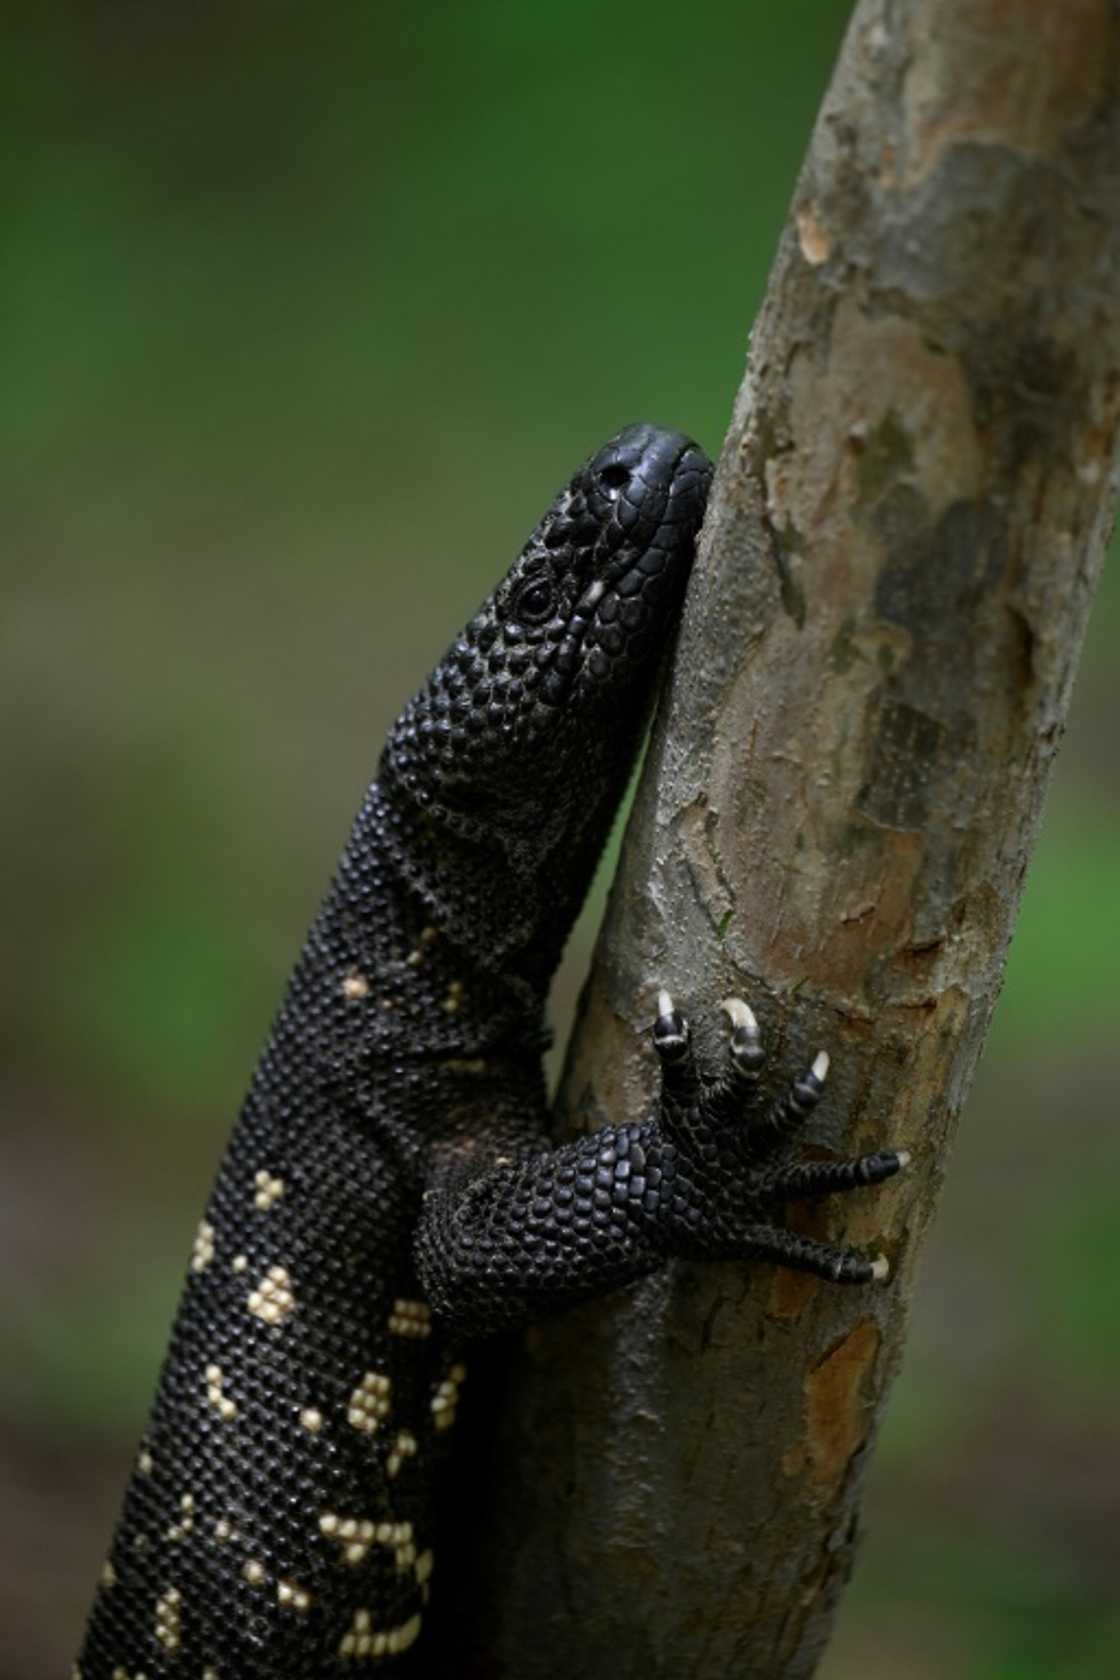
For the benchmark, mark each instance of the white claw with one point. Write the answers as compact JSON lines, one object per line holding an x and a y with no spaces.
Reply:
{"x":820,"y":1066}
{"x":904,"y":1157}
{"x":880,"y":1268}
{"x":664,"y":1005}
{"x":740,"y":1015}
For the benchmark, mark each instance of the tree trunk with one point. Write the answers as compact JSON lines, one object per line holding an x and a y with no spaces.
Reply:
{"x":840,"y":801}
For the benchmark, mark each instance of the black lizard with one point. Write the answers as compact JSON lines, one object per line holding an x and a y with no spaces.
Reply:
{"x":390,"y":1191}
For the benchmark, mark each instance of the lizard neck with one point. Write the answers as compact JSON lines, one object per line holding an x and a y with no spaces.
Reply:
{"x":504,"y":897}
{"x":445,"y":940}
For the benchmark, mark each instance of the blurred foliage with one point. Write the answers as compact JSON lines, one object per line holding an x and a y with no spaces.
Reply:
{"x":309,"y":311}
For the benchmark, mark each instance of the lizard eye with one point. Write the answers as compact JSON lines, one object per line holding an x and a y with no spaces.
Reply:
{"x":534,"y":602}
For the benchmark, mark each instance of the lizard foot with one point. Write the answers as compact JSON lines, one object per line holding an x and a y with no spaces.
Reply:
{"x":731,"y":1156}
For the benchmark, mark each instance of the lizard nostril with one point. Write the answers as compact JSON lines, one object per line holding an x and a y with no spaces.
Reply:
{"x":614,"y":476}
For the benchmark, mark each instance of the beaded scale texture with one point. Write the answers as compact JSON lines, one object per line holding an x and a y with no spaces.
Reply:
{"x":390,"y":1191}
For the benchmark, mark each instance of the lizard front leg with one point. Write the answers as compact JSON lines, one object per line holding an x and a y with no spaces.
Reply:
{"x":704,"y":1177}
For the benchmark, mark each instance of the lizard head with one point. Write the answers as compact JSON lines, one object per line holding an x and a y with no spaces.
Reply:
{"x":525,"y":733}
{"x":578,"y":626}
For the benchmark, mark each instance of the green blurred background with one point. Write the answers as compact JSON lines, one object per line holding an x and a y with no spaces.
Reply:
{"x":308,"y":311}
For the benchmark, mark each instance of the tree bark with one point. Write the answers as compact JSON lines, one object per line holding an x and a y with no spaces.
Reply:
{"x":841,"y":797}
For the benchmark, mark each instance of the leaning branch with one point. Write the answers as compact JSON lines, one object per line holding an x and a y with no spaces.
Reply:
{"x":841,"y":799}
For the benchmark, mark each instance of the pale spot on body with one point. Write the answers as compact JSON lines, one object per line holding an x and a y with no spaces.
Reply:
{"x":108,"y":1576}
{"x":222,"y":1404}
{"x":203,"y":1251}
{"x":144,"y":1462}
{"x":254,"y":1572}
{"x":273,"y":1299}
{"x":185,"y":1525}
{"x":355,"y":1536}
{"x":240,"y":1263}
{"x":403,"y":1447}
{"x":410,"y":1318}
{"x":454,"y":998}
{"x":446,"y":1397}
{"x":416,"y":956}
{"x":355,"y":985}
{"x":311,"y":1419}
{"x":168,"y":1614}
{"x":266,"y":1190}
{"x":465,"y":1064}
{"x":363,"y":1641}
{"x":369,"y":1403}
{"x":291,"y":1596}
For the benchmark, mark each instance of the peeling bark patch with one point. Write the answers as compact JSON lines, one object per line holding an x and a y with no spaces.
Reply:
{"x":812,"y":235}
{"x":836,"y":1409}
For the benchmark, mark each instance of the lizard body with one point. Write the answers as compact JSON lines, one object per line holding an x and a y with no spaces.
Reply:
{"x":390,"y":1190}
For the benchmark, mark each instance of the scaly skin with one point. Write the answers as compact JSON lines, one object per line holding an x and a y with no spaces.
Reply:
{"x":390,"y":1191}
